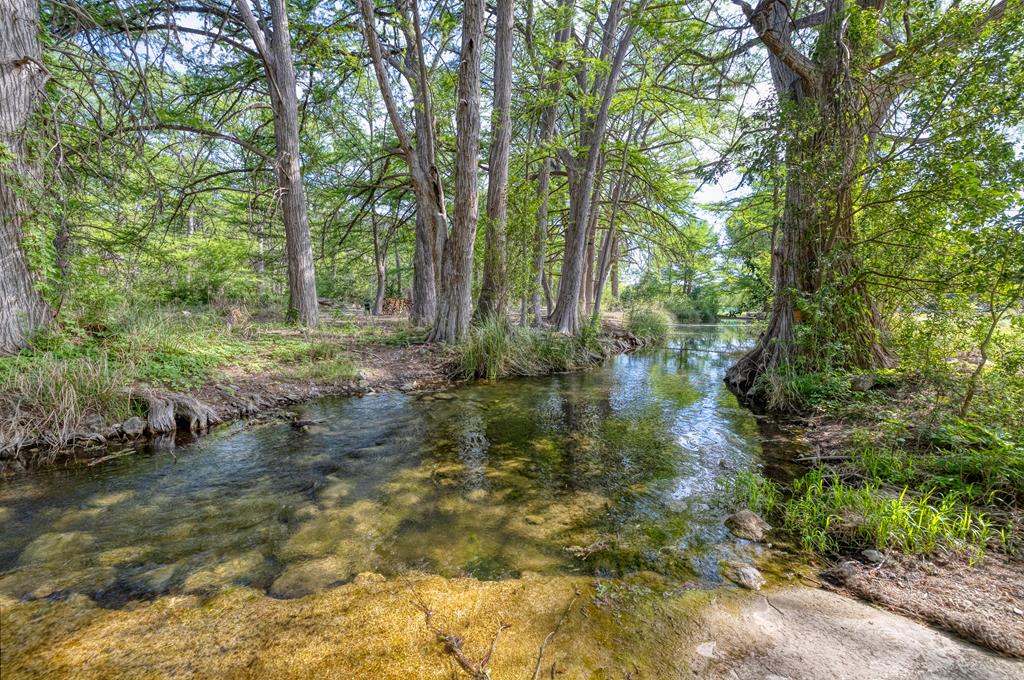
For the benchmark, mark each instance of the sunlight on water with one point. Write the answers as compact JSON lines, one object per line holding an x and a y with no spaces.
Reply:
{"x":612,"y":471}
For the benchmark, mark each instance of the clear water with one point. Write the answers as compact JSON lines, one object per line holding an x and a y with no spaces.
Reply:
{"x":615,"y":470}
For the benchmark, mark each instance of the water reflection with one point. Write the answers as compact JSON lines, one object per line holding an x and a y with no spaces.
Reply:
{"x":609,"y":471}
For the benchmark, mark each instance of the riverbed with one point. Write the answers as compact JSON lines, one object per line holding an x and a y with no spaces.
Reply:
{"x":581,"y":515}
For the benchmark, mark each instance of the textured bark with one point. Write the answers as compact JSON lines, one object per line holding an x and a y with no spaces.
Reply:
{"x":273,"y":43}
{"x":22,"y":77}
{"x":379,"y":259}
{"x":814,"y":250}
{"x":420,"y":156}
{"x":494,"y":289}
{"x":595,"y":122}
{"x":454,"y":305}
{"x":547,"y":134}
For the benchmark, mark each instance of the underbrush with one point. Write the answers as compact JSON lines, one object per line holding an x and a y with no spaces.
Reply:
{"x":648,"y":323}
{"x":496,"y":349}
{"x":67,"y":376}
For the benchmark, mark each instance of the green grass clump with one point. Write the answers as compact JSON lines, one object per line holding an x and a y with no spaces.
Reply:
{"x":496,"y":349}
{"x":649,"y":323}
{"x":750,"y":489}
{"x":829,"y":515}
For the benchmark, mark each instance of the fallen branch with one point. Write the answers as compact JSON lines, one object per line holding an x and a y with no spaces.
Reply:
{"x":477,"y":670}
{"x":547,"y":639}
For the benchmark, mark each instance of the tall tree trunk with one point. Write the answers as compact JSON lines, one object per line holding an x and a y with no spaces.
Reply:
{"x":616,"y":246}
{"x":274,"y":46}
{"x":420,"y":156}
{"x":22,"y":77}
{"x":454,"y":306}
{"x":379,"y":259}
{"x":567,"y":314}
{"x":814,"y":254}
{"x":494,"y":289}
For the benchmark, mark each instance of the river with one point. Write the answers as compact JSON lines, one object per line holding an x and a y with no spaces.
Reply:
{"x":612,"y":471}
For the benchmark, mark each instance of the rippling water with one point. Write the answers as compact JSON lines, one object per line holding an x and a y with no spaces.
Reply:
{"x":610,"y":471}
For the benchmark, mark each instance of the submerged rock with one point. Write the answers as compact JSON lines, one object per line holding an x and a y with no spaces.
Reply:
{"x":744,"y":575}
{"x":133,"y":427}
{"x":368,"y":577}
{"x":747,"y":524}
{"x":56,"y":547}
{"x":303,"y":578}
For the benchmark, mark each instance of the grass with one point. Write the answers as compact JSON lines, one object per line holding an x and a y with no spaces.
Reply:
{"x":830,"y":514}
{"x":496,"y":349}
{"x":50,"y":390}
{"x":649,"y":323}
{"x":753,"y":491}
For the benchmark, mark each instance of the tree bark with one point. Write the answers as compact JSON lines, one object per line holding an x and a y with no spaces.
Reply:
{"x":380,"y":254}
{"x":549,"y":118}
{"x":454,"y":306}
{"x":22,"y":78}
{"x":273,"y":44}
{"x":566,"y":316}
{"x":814,"y":252}
{"x":494,"y":289}
{"x":420,"y":156}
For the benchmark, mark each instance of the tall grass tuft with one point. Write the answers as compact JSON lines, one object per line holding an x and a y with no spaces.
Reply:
{"x":750,"y":489}
{"x":829,"y":515}
{"x":648,"y":323}
{"x":50,"y":397}
{"x":496,"y":349}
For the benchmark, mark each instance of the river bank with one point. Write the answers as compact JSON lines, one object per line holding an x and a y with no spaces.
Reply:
{"x":573,"y":628}
{"x":910,"y":507}
{"x":183,"y":390}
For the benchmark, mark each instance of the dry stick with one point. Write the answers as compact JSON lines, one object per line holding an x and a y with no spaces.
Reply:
{"x":453,"y":645}
{"x":543,"y":645}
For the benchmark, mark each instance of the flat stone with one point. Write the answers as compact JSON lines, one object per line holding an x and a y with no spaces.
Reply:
{"x":747,"y":524}
{"x":744,"y":575}
{"x":706,"y":649}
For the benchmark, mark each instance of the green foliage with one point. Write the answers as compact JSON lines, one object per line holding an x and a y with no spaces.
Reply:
{"x":648,"y":322}
{"x":789,"y":389}
{"x":829,"y":515}
{"x":751,"y":490}
{"x":496,"y":349}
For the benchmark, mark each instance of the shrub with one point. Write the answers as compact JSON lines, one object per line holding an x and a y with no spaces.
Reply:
{"x":496,"y":349}
{"x":649,"y":323}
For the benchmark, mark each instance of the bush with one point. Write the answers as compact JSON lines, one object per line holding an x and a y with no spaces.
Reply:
{"x":496,"y":349}
{"x":649,"y":323}
{"x":829,"y":515}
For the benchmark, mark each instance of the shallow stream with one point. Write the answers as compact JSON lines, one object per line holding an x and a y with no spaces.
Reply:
{"x":618,"y":470}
